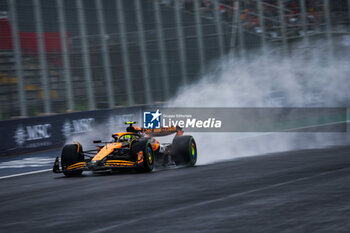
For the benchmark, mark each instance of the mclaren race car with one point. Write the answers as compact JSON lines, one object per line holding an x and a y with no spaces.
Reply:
{"x":136,"y":149}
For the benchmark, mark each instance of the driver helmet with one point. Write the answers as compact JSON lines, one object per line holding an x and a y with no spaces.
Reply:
{"x":127,"y":138}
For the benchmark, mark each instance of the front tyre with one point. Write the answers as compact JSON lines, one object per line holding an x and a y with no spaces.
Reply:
{"x":71,"y":154}
{"x":184,"y":151}
{"x":143,"y":152}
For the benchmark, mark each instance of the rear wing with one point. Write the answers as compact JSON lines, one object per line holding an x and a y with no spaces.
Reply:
{"x":163,"y":131}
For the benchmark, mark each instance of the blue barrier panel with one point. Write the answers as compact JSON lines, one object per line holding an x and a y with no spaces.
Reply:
{"x":47,"y":132}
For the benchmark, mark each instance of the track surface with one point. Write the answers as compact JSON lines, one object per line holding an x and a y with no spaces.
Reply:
{"x":299,"y":191}
{"x":33,"y":162}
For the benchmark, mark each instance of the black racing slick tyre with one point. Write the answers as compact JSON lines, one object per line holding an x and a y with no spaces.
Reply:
{"x":71,"y":154}
{"x":184,"y":151}
{"x":146,"y":159}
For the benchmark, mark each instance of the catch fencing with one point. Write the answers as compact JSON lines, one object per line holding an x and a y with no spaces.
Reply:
{"x":60,"y":56}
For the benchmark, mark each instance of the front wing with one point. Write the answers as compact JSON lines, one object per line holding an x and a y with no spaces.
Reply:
{"x":88,"y":166}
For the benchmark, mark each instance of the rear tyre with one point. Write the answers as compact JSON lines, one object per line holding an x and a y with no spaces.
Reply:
{"x":145,"y":148}
{"x":71,"y":154}
{"x":184,"y":151}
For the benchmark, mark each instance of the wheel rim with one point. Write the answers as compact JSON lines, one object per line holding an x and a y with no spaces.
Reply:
{"x":149,"y":152}
{"x":193,"y":152}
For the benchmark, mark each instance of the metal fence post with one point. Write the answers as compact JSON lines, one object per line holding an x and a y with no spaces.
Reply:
{"x":161,"y":47}
{"x":234,"y":24}
{"x":219,"y":27}
{"x":42,"y":56}
{"x":86,"y":55}
{"x":198,"y":21}
{"x":283,"y":28}
{"x":18,"y":58}
{"x":241,"y":33}
{"x":349,"y":15}
{"x":145,"y":65}
{"x":125,"y":55}
{"x":262,"y":26}
{"x":304,"y":22}
{"x":105,"y":53}
{"x":329,"y":30}
{"x":66,"y":60}
{"x":181,"y":43}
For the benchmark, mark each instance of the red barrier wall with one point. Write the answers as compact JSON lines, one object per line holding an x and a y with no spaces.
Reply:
{"x":29,"y":40}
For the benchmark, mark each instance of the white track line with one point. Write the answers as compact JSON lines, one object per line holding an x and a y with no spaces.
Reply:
{"x":26,"y":173}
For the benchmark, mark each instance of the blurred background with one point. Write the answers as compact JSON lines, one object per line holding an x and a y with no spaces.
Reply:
{"x":59,"y":56}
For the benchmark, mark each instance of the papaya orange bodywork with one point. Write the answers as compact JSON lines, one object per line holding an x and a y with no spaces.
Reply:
{"x":140,"y":157}
{"x":109,"y":148}
{"x":155,"y":146}
{"x":76,"y":165}
{"x":106,"y":150}
{"x":119,"y":163}
{"x":78,"y":149}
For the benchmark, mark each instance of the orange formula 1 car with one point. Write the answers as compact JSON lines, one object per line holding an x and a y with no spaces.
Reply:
{"x":136,"y":149}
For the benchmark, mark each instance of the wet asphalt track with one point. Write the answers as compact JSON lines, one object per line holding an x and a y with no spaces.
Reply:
{"x":299,"y":191}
